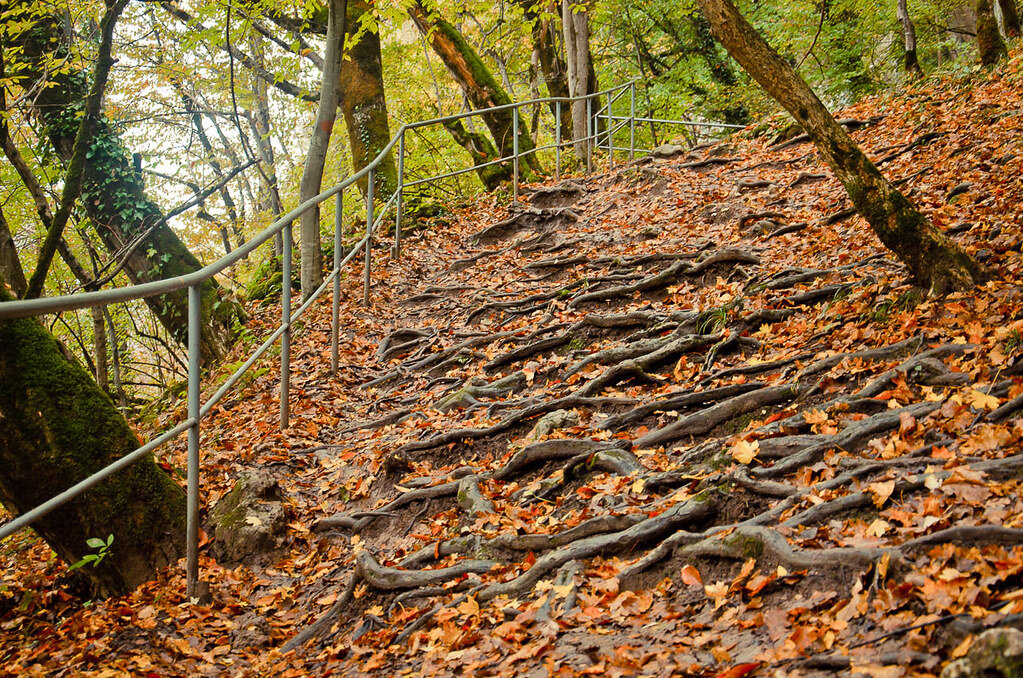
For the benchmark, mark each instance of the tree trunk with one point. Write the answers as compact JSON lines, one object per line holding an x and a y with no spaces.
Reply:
{"x":476,"y":80}
{"x":482,"y":151}
{"x":10,"y":265}
{"x":575,"y":23}
{"x":99,"y":348}
{"x":1010,"y":17}
{"x":312,"y":173}
{"x":932,"y":258}
{"x":130,"y":225}
{"x":911,"y":63}
{"x":363,"y":102}
{"x":545,"y":51}
{"x":56,"y":428}
{"x":989,"y":41}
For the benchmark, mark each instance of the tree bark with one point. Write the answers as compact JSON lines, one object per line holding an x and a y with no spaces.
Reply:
{"x":932,"y":258}
{"x":10,"y":265}
{"x":1010,"y":17}
{"x":545,"y":49}
{"x":362,"y":99}
{"x":57,"y":428}
{"x":911,"y":63}
{"x":476,"y":80}
{"x":576,"y":26}
{"x":989,"y":40}
{"x":131,"y":226}
{"x":312,"y":173}
{"x":83,"y":140}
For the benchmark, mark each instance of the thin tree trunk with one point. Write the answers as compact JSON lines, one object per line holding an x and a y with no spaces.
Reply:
{"x":211,"y":159}
{"x":576,"y":26}
{"x":56,"y":428}
{"x":99,"y":348}
{"x":911,"y":62}
{"x":477,"y":82}
{"x":84,"y":139}
{"x":312,"y":174}
{"x":362,"y":100}
{"x":989,"y":40}
{"x":1010,"y":17}
{"x":10,"y":265}
{"x":127,"y":221}
{"x":545,"y":51}
{"x":932,"y":258}
{"x":115,"y":353}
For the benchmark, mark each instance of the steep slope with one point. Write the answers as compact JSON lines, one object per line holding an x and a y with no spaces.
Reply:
{"x":683,"y":417}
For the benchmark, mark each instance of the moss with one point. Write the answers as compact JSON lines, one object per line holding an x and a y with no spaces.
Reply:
{"x":57,"y":428}
{"x":747,"y":546}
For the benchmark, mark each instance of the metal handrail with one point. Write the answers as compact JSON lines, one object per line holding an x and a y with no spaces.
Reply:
{"x":196,"y":410}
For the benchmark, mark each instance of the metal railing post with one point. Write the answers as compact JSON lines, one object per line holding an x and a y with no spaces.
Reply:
{"x":399,"y":205}
{"x":632,"y":121}
{"x":557,"y":141}
{"x":610,"y":135}
{"x":286,"y":325}
{"x":369,"y":234}
{"x":335,"y":308}
{"x":515,"y":154}
{"x":589,"y":135}
{"x":192,"y":506}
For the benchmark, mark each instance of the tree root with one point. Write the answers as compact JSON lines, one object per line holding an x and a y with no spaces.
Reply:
{"x":394,"y":579}
{"x":678,"y":402}
{"x":693,"y":511}
{"x":705,"y":420}
{"x":667,"y":276}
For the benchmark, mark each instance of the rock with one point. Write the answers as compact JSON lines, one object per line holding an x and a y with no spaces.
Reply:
{"x":668,"y":151}
{"x":250,"y":520}
{"x":997,"y":653}
{"x":722,"y":151}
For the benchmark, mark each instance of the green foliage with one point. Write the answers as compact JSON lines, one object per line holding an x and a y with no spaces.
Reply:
{"x":102,"y":549}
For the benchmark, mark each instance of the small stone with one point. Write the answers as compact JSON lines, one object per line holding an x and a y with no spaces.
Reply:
{"x":668,"y":151}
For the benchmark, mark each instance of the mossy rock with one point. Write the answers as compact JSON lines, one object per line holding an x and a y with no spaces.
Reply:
{"x":998,"y":653}
{"x":250,"y":520}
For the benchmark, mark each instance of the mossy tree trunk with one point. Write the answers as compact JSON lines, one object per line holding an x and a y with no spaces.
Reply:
{"x":482,"y":150}
{"x":911,"y":63}
{"x":932,"y":258}
{"x":1010,"y":17}
{"x":477,"y":82}
{"x":721,"y":69}
{"x":57,"y":427}
{"x":989,"y":40}
{"x":362,"y":98}
{"x":113,"y":196}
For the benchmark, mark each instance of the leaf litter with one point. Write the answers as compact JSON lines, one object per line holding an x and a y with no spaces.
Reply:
{"x":682,"y":419}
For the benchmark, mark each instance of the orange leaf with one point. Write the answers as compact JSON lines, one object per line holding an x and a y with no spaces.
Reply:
{"x":691,"y":576}
{"x":739,"y":670}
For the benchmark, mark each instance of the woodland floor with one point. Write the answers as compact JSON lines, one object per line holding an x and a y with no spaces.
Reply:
{"x":686,"y":417}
